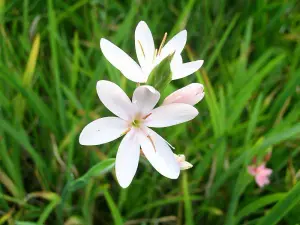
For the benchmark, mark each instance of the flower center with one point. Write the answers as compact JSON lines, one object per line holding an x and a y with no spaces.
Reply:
{"x":136,"y":123}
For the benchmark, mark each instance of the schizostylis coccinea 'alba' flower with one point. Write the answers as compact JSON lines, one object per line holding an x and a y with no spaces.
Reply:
{"x":261,"y":174}
{"x":190,"y":94}
{"x":133,"y":120}
{"x":149,"y":56}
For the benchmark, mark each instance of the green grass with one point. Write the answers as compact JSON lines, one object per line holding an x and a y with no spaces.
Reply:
{"x":50,"y":61}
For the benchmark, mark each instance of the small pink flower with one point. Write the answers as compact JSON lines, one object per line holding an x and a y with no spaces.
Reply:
{"x":190,"y":94}
{"x":261,"y":174}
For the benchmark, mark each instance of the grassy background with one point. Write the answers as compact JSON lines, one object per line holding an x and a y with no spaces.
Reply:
{"x":50,"y":61}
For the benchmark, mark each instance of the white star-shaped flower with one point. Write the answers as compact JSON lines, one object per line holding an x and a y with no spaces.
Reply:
{"x":134,"y":118}
{"x":148,"y":56}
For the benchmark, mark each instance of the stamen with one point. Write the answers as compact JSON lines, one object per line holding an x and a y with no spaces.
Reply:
{"x":145,"y":117}
{"x":126,"y":131}
{"x":162,"y":43}
{"x":151,"y":142}
{"x":142,"y":48}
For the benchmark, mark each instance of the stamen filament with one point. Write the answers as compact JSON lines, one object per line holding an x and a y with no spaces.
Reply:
{"x":151,"y":142}
{"x":145,"y":117}
{"x":162,"y":43}
{"x":142,"y":48}
{"x":126,"y":131}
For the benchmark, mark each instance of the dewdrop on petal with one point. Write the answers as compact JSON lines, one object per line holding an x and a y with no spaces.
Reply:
{"x":184,"y":165}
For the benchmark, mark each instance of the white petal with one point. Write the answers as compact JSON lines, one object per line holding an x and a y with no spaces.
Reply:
{"x":186,"y":69}
{"x":102,"y":130}
{"x":127,"y":159}
{"x":145,"y":97}
{"x":144,"y":45}
{"x":115,"y":99}
{"x":169,"y":115}
{"x":176,"y":62}
{"x":161,"y":157}
{"x":176,"y":44}
{"x":119,"y":59}
{"x":190,"y":94}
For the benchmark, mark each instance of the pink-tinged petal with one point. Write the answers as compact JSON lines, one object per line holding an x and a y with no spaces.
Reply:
{"x":102,"y":131}
{"x":176,"y":44}
{"x":262,"y":180}
{"x":145,"y":98}
{"x":169,"y":115}
{"x":252,"y":170}
{"x":144,"y":46}
{"x":190,"y":94}
{"x":119,"y":59}
{"x":266,"y":172}
{"x":127,"y":159}
{"x":159,"y":154}
{"x":115,"y":99}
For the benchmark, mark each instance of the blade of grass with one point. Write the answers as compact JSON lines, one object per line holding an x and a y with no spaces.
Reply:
{"x":282,"y":207}
{"x":54,"y":63}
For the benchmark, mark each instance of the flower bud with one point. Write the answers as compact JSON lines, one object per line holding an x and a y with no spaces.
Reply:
{"x":190,"y":94}
{"x":184,"y":165}
{"x":161,"y":75}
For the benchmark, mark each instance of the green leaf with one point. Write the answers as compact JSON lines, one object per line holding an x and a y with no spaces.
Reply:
{"x":256,"y":205}
{"x":282,"y":207}
{"x":25,"y":223}
{"x":97,"y":170}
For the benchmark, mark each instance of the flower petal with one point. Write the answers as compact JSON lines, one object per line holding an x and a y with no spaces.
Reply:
{"x":119,"y":59}
{"x":266,"y":172}
{"x":262,"y":180}
{"x":115,"y":99}
{"x":159,"y":154}
{"x":127,"y":159}
{"x":102,"y":130}
{"x":190,"y":94}
{"x":145,"y":97}
{"x":144,"y":46}
{"x":186,"y":69}
{"x":169,"y":115}
{"x":176,"y":44}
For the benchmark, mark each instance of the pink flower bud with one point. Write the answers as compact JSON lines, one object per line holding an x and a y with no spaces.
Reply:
{"x":190,"y":94}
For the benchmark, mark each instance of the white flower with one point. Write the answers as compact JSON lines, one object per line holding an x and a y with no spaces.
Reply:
{"x":134,"y":118}
{"x":148,"y":56}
